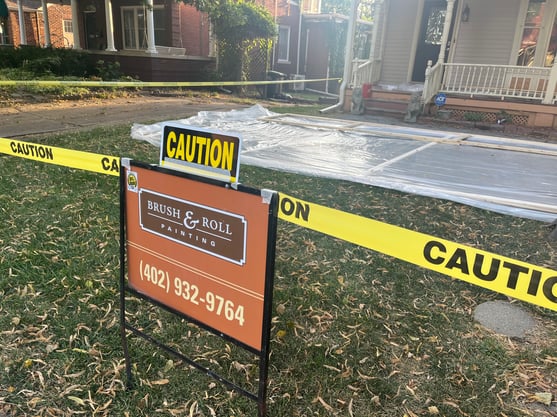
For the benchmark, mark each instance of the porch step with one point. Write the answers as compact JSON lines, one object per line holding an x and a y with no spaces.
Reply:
{"x":387,"y":107}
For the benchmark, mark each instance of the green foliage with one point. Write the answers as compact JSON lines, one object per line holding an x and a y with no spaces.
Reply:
{"x":473,"y":116}
{"x":43,"y":65}
{"x":336,"y":6}
{"x":108,"y":71}
{"x":238,"y":26}
{"x":336,"y":39}
{"x":238,"y":22}
{"x":40,"y":61}
{"x":365,"y":8}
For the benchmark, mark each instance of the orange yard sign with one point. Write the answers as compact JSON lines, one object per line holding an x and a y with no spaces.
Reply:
{"x":201,"y":248}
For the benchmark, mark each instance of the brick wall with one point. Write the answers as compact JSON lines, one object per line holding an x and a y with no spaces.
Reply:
{"x":195,"y":31}
{"x":56,"y":15}
{"x":34,"y":25}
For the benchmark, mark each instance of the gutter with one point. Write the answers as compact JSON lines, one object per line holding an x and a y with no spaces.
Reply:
{"x":347,"y":75}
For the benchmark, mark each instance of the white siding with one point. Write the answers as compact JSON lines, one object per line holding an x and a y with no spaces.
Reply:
{"x":487,"y":38}
{"x":402,"y":20}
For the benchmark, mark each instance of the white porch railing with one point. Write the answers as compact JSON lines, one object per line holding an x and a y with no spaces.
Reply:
{"x":536,"y":84}
{"x":501,"y":81}
{"x":433,"y":78}
{"x":364,"y":72}
{"x":169,"y":50}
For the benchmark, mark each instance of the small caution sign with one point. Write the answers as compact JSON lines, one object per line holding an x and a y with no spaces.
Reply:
{"x":201,"y":152}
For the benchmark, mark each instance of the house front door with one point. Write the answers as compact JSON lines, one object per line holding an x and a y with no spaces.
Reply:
{"x":94,"y":39}
{"x":429,"y":40}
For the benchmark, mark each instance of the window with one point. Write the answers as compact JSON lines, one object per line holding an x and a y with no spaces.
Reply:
{"x":3,"y":31}
{"x":530,"y":33}
{"x":68,"y":26}
{"x":284,"y":44}
{"x":435,"y":25}
{"x":538,"y":43}
{"x":68,"y":33}
{"x":134,"y":26}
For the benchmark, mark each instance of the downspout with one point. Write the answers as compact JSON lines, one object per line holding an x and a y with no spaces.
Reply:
{"x":275,"y":41}
{"x":347,"y":75}
{"x":299,"y":37}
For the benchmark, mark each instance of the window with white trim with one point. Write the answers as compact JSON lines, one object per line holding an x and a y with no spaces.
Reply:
{"x":134,"y":24}
{"x":68,"y":26}
{"x":3,"y":31}
{"x":538,"y":43}
{"x":283,"y":44}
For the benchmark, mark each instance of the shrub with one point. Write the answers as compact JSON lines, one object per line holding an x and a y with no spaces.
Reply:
{"x":473,"y":116}
{"x":108,"y":71}
{"x":40,"y":61}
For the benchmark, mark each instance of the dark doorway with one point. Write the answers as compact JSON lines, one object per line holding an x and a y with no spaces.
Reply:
{"x":431,"y":32}
{"x":94,"y":39}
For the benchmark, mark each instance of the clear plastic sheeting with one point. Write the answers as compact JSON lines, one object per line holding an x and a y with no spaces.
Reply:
{"x":509,"y":176}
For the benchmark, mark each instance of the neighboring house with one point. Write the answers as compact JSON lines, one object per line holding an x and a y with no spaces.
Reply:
{"x":166,"y":40}
{"x":491,"y":58}
{"x":31,"y":28}
{"x":312,"y":45}
{"x":162,"y":40}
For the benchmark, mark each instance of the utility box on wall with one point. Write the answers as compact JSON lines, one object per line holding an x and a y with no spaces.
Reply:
{"x":301,"y":85}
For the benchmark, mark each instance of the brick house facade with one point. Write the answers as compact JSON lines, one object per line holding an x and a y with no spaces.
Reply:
{"x":181,"y":34}
{"x":34,"y":24}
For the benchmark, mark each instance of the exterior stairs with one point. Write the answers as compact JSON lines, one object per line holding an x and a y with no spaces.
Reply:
{"x":385,"y":103}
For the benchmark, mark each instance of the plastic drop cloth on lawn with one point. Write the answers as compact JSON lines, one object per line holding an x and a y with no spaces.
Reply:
{"x":509,"y":176}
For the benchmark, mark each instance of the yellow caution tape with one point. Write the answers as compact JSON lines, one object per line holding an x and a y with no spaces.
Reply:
{"x":103,"y":164}
{"x":497,"y":273}
{"x":517,"y":279}
{"x":144,"y":84}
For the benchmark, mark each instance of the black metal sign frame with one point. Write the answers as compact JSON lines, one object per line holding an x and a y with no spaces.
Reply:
{"x":127,"y":328}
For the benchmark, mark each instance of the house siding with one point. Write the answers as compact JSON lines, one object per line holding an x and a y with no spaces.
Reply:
{"x":289,"y":67}
{"x":317,"y":66}
{"x":487,"y":38}
{"x":402,"y":17}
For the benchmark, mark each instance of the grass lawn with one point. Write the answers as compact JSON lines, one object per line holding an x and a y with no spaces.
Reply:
{"x":355,"y":332}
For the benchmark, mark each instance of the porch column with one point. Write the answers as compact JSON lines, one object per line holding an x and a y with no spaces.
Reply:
{"x":109,"y":26}
{"x":150,"y":29}
{"x":374,"y":34}
{"x":21,"y":18}
{"x":446,"y":30}
{"x":75,"y":27}
{"x":551,"y":86}
{"x":47,"y":40}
